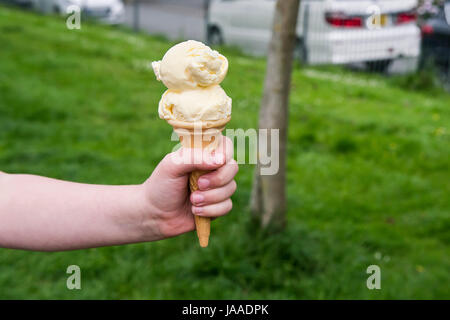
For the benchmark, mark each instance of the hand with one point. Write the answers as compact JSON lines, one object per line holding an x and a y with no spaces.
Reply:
{"x":167,"y":189}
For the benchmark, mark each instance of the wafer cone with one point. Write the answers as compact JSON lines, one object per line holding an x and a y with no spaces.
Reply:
{"x":205,"y":135}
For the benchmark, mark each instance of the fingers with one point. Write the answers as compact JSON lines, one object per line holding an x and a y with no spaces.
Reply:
{"x":215,"y":189}
{"x":213,"y":210}
{"x":220,"y":177}
{"x":186,"y":160}
{"x":202,"y":198}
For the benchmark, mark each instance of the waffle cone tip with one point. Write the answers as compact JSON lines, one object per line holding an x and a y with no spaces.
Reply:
{"x":203,"y":241}
{"x":203,"y":226}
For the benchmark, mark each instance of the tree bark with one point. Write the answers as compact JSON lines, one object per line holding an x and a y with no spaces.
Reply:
{"x":268,"y":199}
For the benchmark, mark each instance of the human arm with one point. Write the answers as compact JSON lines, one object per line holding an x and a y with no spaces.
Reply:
{"x":39,"y":213}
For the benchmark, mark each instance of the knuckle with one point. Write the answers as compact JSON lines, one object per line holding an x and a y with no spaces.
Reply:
{"x":230,"y":205}
{"x":234,"y":165}
{"x":233,"y":186}
{"x":169,"y":160}
{"x":169,"y":156}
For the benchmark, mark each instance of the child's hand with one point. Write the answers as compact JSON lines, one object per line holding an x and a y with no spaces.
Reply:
{"x":167,"y":189}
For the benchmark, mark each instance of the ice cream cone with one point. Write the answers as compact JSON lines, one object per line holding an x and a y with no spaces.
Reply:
{"x":205,"y":135}
{"x":192,"y":73}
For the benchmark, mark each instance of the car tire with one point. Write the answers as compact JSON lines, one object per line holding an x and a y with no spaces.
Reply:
{"x":300,"y":52}
{"x":214,"y":36}
{"x":380,"y":66}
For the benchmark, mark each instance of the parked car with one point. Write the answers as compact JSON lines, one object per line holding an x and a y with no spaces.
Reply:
{"x":108,"y":11}
{"x":328,"y":31}
{"x":436,"y":40}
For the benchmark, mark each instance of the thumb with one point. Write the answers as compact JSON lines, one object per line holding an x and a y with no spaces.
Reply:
{"x":186,"y":160}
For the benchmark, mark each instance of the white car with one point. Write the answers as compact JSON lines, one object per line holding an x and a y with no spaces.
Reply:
{"x":328,"y":31}
{"x":108,"y":11}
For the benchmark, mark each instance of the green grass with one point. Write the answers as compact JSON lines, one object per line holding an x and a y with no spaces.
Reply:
{"x":368,"y":173}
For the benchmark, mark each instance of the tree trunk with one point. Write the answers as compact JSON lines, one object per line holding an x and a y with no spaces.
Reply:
{"x":268,"y":200}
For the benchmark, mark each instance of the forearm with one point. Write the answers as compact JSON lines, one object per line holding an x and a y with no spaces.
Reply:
{"x":45,"y":214}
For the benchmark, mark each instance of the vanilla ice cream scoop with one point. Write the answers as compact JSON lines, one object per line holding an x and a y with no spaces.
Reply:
{"x":206,"y":104}
{"x":190,"y":64}
{"x":192,"y":73}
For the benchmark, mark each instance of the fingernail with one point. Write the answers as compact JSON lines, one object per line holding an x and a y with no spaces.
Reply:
{"x":218,"y":158}
{"x":198,"y":198}
{"x":197,"y":210}
{"x":203,"y":183}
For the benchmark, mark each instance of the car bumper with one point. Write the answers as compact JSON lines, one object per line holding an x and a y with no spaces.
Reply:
{"x":349,"y":46}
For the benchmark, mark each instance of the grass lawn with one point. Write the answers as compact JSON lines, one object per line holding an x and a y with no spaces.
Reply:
{"x":368,"y":173}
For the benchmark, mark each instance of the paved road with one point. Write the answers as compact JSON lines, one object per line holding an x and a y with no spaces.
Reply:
{"x":171,"y":18}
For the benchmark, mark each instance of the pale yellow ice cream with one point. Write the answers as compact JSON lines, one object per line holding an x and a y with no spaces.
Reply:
{"x":210,"y":103}
{"x":192,"y":73}
{"x":189,"y":65}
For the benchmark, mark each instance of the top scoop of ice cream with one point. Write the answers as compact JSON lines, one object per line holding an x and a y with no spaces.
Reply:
{"x":189,"y":65}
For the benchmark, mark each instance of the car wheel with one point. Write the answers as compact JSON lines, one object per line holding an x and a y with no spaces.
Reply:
{"x":214,"y":36}
{"x":378,"y":66}
{"x":300,"y":52}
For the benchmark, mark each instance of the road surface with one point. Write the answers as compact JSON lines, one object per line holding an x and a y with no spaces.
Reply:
{"x":177,"y":20}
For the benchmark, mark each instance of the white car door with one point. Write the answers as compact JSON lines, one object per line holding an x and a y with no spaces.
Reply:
{"x":240,"y":26}
{"x":260,"y":22}
{"x":227,"y":15}
{"x":250,"y":24}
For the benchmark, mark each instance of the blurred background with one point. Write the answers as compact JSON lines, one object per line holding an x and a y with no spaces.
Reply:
{"x":368,"y":144}
{"x":329,"y":31}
